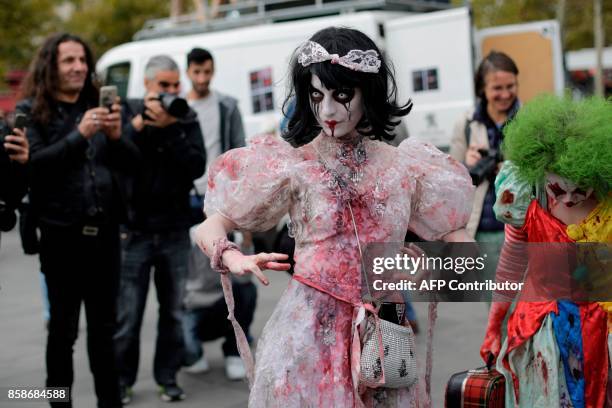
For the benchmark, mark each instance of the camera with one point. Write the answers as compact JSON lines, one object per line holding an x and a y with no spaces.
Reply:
{"x":485,"y":168}
{"x":174,"y":105}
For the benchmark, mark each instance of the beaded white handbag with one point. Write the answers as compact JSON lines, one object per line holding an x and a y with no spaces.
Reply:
{"x":397,"y":366}
{"x":387,"y":351}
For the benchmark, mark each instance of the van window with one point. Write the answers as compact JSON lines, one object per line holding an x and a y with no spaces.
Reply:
{"x":261,"y":90}
{"x":425,"y":79}
{"x":118,"y":75}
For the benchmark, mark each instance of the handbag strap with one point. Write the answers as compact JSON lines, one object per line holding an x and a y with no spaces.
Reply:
{"x":365,"y":273}
{"x":432,"y":310}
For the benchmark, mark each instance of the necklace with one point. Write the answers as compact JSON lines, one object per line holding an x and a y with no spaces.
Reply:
{"x":351,"y":158}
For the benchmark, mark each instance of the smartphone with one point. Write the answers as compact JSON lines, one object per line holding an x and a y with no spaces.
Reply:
{"x":21,"y":121}
{"x":108,"y":94}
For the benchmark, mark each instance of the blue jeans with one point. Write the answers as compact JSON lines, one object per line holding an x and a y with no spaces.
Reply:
{"x":45,"y":297}
{"x":210,"y":322}
{"x":167,"y":253}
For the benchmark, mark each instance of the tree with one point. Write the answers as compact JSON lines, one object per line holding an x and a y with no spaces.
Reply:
{"x":107,"y":23}
{"x":102,"y":23}
{"x":578,"y":25}
{"x":24,"y":25}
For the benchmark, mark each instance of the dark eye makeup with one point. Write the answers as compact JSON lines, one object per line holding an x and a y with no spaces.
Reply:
{"x":316,"y":96}
{"x":341,"y":95}
{"x":556,"y":189}
{"x":579,"y":191}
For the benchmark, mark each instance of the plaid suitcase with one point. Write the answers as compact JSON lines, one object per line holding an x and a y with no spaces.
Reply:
{"x":479,"y":388}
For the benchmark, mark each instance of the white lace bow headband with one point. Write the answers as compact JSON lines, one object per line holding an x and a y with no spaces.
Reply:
{"x":357,"y":60}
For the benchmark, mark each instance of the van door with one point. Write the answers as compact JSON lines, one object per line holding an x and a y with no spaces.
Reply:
{"x":432,"y":56}
{"x":536,"y":50}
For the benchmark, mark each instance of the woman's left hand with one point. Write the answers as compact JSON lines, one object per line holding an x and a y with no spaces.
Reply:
{"x":241,"y":264}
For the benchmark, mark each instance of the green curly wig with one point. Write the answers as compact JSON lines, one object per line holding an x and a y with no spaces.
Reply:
{"x":558,"y":135}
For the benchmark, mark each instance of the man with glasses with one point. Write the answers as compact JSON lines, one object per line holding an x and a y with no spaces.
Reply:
{"x":157,"y":232}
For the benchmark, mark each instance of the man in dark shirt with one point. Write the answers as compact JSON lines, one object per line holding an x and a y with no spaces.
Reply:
{"x":77,"y":154}
{"x":157,"y":233}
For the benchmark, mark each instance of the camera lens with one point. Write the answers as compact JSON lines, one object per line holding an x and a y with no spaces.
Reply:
{"x":174,"y":105}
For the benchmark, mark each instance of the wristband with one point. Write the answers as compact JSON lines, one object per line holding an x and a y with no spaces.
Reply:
{"x":220,"y":246}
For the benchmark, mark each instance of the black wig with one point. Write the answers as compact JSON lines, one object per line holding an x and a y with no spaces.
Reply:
{"x":378,"y":89}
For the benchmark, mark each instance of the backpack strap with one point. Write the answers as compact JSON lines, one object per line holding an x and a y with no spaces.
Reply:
{"x":467,"y":131}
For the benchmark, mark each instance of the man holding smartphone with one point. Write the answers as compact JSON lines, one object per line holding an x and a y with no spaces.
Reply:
{"x":77,"y":152}
{"x":14,"y":154}
{"x":157,"y":232}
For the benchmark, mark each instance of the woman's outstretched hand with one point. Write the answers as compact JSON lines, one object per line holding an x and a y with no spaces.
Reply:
{"x":241,"y":264}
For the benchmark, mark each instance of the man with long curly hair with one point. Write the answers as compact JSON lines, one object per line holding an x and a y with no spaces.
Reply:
{"x":77,"y":154}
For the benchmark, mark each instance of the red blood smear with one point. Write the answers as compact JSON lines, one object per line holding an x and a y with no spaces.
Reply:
{"x":507,"y":197}
{"x":544,"y":369}
{"x":332,"y":126}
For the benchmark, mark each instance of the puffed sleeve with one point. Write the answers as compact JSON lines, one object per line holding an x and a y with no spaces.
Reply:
{"x":444,"y":193}
{"x":513,"y":196}
{"x":250,"y":185}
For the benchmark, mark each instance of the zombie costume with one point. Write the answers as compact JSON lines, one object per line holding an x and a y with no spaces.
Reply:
{"x":555,"y":353}
{"x":308,"y":354}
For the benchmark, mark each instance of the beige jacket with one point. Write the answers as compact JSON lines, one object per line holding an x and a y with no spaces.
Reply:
{"x":458,"y":149}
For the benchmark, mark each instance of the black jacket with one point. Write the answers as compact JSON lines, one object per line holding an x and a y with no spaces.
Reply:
{"x":172,"y":157}
{"x":13,"y":184}
{"x":75,"y":181}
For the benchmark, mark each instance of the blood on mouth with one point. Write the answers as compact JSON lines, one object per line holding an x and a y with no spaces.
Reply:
{"x":332,"y":125}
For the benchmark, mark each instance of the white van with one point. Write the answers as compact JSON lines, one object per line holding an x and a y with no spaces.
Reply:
{"x":431,"y":54}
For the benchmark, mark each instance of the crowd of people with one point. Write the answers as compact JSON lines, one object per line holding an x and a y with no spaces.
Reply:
{"x":111,"y":193}
{"x":129,"y":189}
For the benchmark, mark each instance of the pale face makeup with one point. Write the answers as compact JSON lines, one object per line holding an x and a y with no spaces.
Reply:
{"x":564,"y":191}
{"x":338,"y":111}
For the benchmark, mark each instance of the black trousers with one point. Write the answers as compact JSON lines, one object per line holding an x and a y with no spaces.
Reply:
{"x":82,"y":268}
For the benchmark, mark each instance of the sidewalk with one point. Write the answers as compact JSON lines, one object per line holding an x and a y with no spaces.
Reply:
{"x":460,"y":328}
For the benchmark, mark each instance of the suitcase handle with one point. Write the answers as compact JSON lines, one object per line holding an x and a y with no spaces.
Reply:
{"x":487,"y":368}
{"x":490,"y":360}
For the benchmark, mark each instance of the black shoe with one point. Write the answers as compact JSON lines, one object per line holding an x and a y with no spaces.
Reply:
{"x":126,"y":395}
{"x":171,"y":392}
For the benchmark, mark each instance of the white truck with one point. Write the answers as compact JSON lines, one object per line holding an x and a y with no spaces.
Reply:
{"x":433,"y":55}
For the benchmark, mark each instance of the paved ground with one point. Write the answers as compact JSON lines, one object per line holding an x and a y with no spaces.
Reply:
{"x":460,"y":328}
